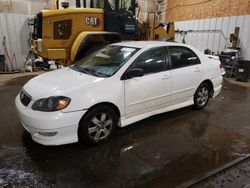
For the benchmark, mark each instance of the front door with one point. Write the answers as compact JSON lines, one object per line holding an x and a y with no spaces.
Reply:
{"x":151,"y":91}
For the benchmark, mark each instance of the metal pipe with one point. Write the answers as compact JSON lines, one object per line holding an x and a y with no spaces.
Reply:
{"x":84,"y":3}
{"x":57,"y":4}
{"x":153,"y":28}
{"x":78,"y":4}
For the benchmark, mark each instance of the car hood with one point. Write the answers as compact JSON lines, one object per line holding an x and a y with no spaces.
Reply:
{"x":58,"y":82}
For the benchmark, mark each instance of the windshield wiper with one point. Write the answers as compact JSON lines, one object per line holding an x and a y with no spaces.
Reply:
{"x":75,"y":67}
{"x":89,"y":71}
{"x":107,"y":65}
{"x":93,"y":72}
{"x":83,"y":70}
{"x":100,"y":74}
{"x":86,"y":70}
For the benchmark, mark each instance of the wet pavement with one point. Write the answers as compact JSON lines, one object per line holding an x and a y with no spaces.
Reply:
{"x":236,"y":176}
{"x":162,"y":151}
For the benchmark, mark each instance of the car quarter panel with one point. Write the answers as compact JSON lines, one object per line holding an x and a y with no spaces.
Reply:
{"x":211,"y":68}
{"x":214,"y":74}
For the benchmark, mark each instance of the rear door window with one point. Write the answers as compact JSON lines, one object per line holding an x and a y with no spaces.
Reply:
{"x":181,"y":57}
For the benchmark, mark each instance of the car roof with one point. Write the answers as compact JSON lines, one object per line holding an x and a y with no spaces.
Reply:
{"x":147,"y":44}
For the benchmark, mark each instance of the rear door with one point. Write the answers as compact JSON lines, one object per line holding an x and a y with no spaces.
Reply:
{"x":186,"y":71}
{"x":151,"y":91}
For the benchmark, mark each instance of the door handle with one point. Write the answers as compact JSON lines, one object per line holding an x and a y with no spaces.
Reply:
{"x":197,"y":69}
{"x":165,"y":77}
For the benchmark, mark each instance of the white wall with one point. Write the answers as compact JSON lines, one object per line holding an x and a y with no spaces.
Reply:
{"x":215,"y":40}
{"x":29,"y":7}
{"x":14,"y":27}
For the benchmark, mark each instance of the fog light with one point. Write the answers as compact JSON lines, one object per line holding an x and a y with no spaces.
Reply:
{"x":48,"y":133}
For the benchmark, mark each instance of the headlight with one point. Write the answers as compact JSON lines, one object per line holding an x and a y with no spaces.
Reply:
{"x":51,"y":104}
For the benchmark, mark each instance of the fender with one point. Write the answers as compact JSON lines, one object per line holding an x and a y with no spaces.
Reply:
{"x":86,"y":39}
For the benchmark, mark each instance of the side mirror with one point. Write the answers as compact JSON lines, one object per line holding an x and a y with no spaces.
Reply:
{"x":132,"y":73}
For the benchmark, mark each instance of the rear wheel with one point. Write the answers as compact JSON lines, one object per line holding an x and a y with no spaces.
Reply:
{"x":97,"y":125}
{"x":201,"y":96}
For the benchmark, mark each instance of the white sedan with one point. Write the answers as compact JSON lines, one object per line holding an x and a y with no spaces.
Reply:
{"x":116,"y":86}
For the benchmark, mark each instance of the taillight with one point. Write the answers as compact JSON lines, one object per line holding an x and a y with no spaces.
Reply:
{"x":222,"y":70}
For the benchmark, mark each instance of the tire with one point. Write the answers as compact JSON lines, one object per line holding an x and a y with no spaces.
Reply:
{"x":201,"y":96}
{"x":97,"y":125}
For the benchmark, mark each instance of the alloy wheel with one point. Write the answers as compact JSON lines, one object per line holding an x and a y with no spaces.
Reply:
{"x":203,"y":96}
{"x":100,"y":126}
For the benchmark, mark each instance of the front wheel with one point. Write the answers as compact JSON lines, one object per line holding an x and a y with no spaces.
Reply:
{"x":98,"y":125}
{"x":201,"y":96}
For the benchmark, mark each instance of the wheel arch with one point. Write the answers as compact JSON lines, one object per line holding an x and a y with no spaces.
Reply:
{"x":87,"y":39}
{"x":82,"y":129}
{"x":210,"y":85}
{"x":108,"y":104}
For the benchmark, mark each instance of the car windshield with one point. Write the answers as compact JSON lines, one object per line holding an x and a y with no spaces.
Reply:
{"x":105,"y":62}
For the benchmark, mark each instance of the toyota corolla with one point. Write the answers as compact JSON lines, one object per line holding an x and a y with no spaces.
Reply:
{"x":116,"y":86}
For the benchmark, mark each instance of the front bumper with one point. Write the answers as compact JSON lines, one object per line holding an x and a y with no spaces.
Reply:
{"x":37,"y":123}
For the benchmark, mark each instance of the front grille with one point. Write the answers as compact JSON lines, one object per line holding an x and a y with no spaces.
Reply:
{"x":25,"y":98}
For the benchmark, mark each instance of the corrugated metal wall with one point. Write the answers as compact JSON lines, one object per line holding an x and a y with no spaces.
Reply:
{"x":14,"y":27}
{"x":216,"y":40}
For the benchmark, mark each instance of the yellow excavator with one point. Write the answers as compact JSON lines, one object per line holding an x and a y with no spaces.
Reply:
{"x":65,"y":34}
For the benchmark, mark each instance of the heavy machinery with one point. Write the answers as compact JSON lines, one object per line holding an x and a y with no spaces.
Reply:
{"x":66,"y":35}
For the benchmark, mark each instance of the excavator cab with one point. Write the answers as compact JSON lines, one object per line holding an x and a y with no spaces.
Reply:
{"x":119,"y":16}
